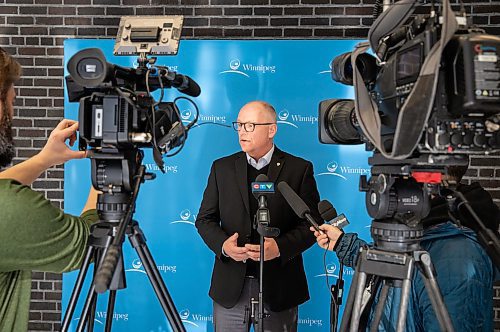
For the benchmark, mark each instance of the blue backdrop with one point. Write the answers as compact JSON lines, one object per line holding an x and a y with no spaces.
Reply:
{"x":293,"y":76}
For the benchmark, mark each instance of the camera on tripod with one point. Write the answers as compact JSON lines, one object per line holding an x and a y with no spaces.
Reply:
{"x":427,"y":99}
{"x":117,"y":110}
{"x":117,"y":117}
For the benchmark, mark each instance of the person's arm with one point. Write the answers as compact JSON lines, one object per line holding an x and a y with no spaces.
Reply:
{"x":55,"y":152}
{"x":208,"y":218}
{"x":36,"y":235}
{"x":91,"y":200}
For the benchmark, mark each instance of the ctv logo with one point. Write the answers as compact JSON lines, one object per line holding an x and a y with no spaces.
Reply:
{"x":263,"y":186}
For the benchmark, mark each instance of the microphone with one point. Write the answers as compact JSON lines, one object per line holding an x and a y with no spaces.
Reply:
{"x":183,"y":83}
{"x":326,"y":210}
{"x":329,"y":214}
{"x":262,"y":188}
{"x":297,"y":204}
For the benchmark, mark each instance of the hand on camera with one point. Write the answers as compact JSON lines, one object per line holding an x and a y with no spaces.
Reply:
{"x":231,"y":249}
{"x":329,"y":236}
{"x":271,"y":250}
{"x":56,"y":151}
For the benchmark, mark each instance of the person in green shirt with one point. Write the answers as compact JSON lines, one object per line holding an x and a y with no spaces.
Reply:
{"x":34,"y":234}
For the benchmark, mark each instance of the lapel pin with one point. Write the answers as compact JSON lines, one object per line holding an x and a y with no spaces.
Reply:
{"x":277,"y":164}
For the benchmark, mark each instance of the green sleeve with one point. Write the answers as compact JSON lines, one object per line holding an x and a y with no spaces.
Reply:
{"x":35,"y":235}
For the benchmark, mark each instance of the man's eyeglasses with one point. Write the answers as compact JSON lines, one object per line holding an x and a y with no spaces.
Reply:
{"x":249,"y":126}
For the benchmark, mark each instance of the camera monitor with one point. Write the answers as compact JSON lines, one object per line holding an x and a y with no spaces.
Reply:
{"x":154,"y":35}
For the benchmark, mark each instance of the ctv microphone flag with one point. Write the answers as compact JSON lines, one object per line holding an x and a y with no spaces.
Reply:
{"x":262,"y":188}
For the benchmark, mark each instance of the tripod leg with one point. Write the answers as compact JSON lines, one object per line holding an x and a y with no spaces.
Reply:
{"x":356,"y":310}
{"x":379,"y":309}
{"x":91,"y":319}
{"x":110,"y":310}
{"x":77,"y":289}
{"x":403,"y":306}
{"x":139,"y":243}
{"x":346,"y":316}
{"x":91,"y":297}
{"x":435,"y":297}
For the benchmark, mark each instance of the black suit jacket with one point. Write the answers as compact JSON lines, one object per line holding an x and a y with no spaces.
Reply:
{"x":225,"y":211}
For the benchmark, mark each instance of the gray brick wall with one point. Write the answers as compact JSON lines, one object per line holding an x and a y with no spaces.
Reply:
{"x":34,"y":31}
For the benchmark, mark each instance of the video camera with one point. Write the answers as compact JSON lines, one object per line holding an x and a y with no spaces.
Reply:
{"x":117,"y":112}
{"x":465,"y":112}
{"x":427,"y":99}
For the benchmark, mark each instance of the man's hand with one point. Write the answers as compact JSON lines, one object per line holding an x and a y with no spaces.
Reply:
{"x":56,"y":151}
{"x":329,"y":236}
{"x":271,"y":250}
{"x":231,"y":249}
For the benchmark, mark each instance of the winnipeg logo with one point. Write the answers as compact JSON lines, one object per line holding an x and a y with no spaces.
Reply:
{"x":283,"y":118}
{"x":136,"y":266}
{"x":336,"y":170}
{"x":332,"y":170}
{"x":329,"y":71}
{"x":234,"y":66}
{"x":184,"y":314}
{"x":330,"y":271}
{"x":186,"y":217}
{"x":187,"y":116}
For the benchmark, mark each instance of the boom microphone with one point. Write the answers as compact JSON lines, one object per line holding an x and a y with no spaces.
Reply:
{"x":297,"y":204}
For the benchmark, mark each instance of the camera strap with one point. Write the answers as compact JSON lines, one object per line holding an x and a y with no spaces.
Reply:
{"x":417,"y":108}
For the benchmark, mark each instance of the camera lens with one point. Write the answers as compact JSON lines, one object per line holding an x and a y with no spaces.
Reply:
{"x":341,"y":123}
{"x":342,"y":70}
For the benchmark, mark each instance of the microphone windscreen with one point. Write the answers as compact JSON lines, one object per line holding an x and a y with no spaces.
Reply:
{"x":296,"y":203}
{"x":326,"y":210}
{"x":261,"y":178}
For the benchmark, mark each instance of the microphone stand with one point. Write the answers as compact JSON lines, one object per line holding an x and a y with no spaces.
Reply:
{"x":262,"y":220}
{"x":336,"y":290}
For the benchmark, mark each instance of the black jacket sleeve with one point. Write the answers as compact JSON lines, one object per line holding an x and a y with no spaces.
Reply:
{"x":208,"y":219}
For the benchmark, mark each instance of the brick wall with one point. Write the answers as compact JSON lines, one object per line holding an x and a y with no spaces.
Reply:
{"x":34,"y":31}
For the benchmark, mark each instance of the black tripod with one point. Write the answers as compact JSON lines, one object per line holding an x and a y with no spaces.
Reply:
{"x":261,"y":223}
{"x":105,"y":248}
{"x":396,"y":269}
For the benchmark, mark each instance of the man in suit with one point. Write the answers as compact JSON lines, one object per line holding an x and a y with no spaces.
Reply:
{"x":225,"y":222}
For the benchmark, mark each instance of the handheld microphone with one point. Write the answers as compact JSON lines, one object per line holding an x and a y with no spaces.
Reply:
{"x":262,"y":188}
{"x":329,"y":214}
{"x":297,"y":204}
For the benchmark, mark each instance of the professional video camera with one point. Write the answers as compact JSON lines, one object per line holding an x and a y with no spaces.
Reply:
{"x":430,"y":98}
{"x":426,"y":100}
{"x":117,"y":117}
{"x":117,"y":111}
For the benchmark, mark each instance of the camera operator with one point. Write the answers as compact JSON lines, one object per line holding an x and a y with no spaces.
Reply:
{"x":34,"y":235}
{"x":465,"y":273}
